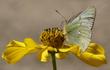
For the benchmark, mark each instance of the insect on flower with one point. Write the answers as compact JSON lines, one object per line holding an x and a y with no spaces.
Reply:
{"x":74,"y":38}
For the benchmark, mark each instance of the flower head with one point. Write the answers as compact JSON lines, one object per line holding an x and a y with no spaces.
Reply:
{"x":53,"y":37}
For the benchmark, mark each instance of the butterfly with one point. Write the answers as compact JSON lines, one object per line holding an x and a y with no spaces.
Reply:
{"x":77,"y":30}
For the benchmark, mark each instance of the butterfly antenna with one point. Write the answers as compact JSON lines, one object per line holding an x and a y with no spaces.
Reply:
{"x":61,"y":15}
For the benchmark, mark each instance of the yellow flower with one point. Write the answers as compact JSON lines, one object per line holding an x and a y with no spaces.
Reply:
{"x":94,"y":55}
{"x":52,"y":41}
{"x":16,"y":50}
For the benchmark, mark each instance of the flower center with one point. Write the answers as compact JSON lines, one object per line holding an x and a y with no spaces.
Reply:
{"x":52,"y":37}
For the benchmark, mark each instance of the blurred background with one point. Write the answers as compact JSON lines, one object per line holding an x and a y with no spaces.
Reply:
{"x":27,"y":18}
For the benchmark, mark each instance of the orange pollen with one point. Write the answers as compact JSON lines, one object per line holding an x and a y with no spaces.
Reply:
{"x":52,"y":37}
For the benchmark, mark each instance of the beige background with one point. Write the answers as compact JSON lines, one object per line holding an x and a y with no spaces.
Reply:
{"x":27,"y":18}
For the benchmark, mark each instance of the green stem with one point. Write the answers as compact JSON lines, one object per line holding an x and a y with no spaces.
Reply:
{"x":53,"y":60}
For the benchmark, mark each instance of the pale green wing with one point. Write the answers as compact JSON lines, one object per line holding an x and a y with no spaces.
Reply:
{"x":78,"y":30}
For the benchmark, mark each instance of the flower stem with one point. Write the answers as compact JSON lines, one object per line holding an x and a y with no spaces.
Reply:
{"x":53,"y":60}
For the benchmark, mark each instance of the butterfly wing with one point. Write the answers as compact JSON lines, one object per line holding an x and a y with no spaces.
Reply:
{"x":78,"y":30}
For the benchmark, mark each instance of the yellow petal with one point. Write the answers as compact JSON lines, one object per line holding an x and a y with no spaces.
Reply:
{"x":66,"y":48}
{"x":95,"y":48}
{"x":51,"y":49}
{"x":60,"y":55}
{"x":14,"y":54}
{"x":92,"y":59}
{"x":43,"y":55}
{"x":15,"y":43}
{"x":76,"y":50}
{"x":30,"y":42}
{"x":16,"y":50}
{"x":31,"y":45}
{"x":94,"y":55}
